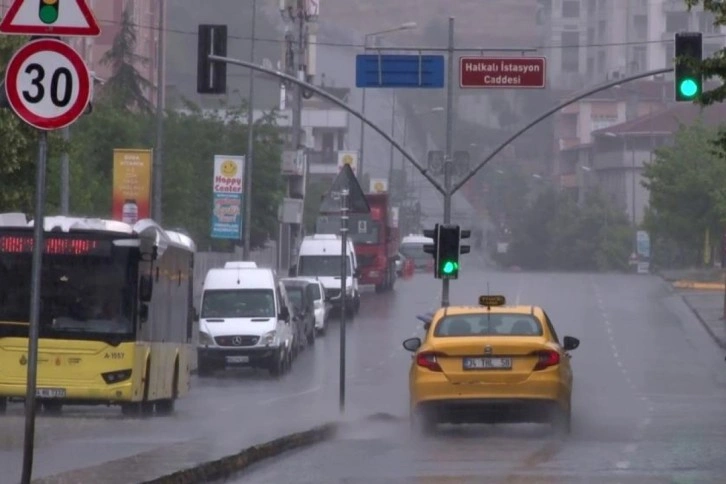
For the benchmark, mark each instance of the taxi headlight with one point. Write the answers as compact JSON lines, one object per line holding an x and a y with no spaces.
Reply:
{"x":269,"y":339}
{"x":205,"y":339}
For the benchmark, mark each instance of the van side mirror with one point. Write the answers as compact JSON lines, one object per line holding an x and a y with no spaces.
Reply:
{"x":284,"y":313}
{"x":292,"y":271}
{"x":356,"y":273}
{"x":196,"y":314}
{"x":146,"y":288}
{"x":143,"y":313}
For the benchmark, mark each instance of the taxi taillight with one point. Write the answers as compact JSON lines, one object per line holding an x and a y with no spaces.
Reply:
{"x":427,"y":359}
{"x":547,"y":358}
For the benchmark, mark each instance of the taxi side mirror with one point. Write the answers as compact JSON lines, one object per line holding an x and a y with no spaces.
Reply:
{"x":570,"y":343}
{"x":412,"y":344}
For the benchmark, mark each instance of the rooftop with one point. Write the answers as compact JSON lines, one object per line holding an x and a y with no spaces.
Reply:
{"x":668,"y":121}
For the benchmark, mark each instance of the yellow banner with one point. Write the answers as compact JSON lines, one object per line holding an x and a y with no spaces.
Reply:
{"x":131,"y":184}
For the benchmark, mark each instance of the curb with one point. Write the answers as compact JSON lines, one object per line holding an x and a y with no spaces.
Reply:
{"x":219,"y":469}
{"x":721,"y":344}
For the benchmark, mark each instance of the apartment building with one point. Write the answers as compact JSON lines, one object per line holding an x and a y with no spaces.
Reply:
{"x":618,"y":37}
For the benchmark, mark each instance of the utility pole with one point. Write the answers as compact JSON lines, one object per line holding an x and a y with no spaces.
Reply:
{"x":393,"y":129}
{"x":448,"y":160}
{"x":158,"y":151}
{"x":65,"y":174}
{"x":247,"y":221}
{"x":296,"y":66}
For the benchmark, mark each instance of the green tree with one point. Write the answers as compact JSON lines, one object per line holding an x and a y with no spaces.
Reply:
{"x":18,"y":147}
{"x":714,"y":66}
{"x":126,"y":87}
{"x":687,"y":196}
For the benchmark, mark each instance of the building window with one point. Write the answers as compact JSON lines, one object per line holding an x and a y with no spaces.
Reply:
{"x":676,"y":21}
{"x":602,"y":122}
{"x":640,"y":27}
{"x":591,"y":35}
{"x":640,"y":55}
{"x":710,"y":49}
{"x":570,"y":56}
{"x":328,"y":141}
{"x":591,"y":6}
{"x":601,"y":62}
{"x":590,"y":65}
{"x":601,"y":27}
{"x":571,"y":8}
{"x":670,"y":54}
{"x":705,"y":21}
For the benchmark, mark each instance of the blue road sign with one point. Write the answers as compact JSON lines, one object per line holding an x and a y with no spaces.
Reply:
{"x":423,"y":71}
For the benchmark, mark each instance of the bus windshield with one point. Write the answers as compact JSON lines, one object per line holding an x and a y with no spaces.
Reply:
{"x":82,"y":294}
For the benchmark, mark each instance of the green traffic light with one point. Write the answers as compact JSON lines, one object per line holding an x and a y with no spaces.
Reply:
{"x":688,"y":87}
{"x":449,"y":267}
{"x":48,"y":11}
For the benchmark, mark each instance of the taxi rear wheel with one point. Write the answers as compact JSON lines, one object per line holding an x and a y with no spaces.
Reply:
{"x":422,"y":423}
{"x":3,"y":405}
{"x":561,"y":421}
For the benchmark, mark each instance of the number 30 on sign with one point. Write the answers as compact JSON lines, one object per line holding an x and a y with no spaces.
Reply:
{"x":47,"y":84}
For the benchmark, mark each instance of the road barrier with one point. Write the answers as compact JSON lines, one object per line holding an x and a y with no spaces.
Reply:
{"x":225,"y":467}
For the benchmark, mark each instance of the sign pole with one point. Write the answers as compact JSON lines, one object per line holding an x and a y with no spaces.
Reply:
{"x":38,"y":245}
{"x":448,"y":160}
{"x":343,"y":284}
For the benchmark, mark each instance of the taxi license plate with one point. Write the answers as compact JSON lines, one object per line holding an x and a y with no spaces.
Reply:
{"x":487,"y":363}
{"x":50,"y":392}
{"x":238,"y":359}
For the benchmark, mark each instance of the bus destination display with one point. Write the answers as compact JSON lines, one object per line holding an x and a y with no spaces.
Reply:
{"x":21,"y":244}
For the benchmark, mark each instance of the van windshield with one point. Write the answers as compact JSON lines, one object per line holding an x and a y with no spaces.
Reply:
{"x":238,"y":303}
{"x":321,"y":265}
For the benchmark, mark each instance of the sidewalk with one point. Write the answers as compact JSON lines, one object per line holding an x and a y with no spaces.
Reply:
{"x":708,"y":308}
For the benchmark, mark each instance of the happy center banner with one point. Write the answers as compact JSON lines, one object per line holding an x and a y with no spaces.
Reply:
{"x":131,"y":185}
{"x":227,"y":188}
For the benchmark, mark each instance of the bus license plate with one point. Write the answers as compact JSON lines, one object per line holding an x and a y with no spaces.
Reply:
{"x":238,"y":359}
{"x":487,"y":363}
{"x":50,"y":392}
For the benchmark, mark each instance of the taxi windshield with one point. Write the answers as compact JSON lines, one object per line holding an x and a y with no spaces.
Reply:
{"x":493,"y":324}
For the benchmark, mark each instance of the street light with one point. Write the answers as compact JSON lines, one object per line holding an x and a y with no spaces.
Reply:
{"x":403,"y":26}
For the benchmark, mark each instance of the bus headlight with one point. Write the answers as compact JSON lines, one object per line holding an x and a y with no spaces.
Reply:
{"x":205,"y":339}
{"x":269,"y":339}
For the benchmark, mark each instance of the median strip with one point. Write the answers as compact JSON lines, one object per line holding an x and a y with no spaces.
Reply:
{"x":702,"y":286}
{"x":226,"y":466}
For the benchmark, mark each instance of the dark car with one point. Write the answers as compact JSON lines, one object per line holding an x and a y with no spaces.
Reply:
{"x":300,"y":294}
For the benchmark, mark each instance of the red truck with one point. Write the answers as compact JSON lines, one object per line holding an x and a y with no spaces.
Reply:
{"x":376,"y":247}
{"x":375,"y":237}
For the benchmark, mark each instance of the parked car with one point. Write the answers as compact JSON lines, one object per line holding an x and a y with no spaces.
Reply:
{"x":300,"y":297}
{"x":322,"y":308}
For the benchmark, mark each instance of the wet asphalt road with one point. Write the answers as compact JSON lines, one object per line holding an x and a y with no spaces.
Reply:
{"x":231,"y":410}
{"x":649,"y":403}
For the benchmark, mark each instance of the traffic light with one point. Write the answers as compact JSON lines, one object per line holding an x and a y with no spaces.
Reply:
{"x":464,"y":249}
{"x":448,"y":245}
{"x":688,"y":49}
{"x":211,"y":75}
{"x":48,"y":11}
{"x":433,"y":249}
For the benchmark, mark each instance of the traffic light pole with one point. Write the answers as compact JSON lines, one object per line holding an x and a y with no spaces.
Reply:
{"x":449,"y":148}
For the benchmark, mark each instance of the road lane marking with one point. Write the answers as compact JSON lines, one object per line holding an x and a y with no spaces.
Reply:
{"x":291,"y":395}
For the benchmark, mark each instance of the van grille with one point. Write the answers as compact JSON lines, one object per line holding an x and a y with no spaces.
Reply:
{"x":236,"y":340}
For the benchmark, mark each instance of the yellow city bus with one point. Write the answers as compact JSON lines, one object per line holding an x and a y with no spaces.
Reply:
{"x":116,"y":313}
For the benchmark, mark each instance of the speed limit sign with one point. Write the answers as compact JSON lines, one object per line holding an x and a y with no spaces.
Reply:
{"x":47,"y":84}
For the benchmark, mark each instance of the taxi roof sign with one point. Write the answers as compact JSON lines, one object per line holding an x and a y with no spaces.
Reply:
{"x":490,"y":301}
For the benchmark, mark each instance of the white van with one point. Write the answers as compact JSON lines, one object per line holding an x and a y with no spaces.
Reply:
{"x":412,"y":248}
{"x":244,"y":321}
{"x":319,"y":257}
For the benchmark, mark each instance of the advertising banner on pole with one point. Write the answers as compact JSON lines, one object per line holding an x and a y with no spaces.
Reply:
{"x":227,"y":196}
{"x":131,"y":185}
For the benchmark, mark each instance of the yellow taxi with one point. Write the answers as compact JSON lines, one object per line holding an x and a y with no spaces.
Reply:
{"x":490,"y":363}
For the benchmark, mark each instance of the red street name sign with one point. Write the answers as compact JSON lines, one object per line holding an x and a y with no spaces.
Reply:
{"x":503,"y":72}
